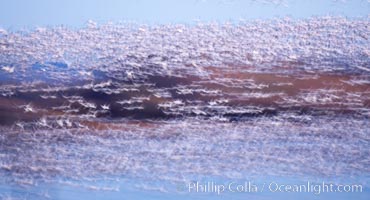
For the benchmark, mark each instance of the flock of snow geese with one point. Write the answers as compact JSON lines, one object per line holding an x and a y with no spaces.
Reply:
{"x":166,"y":102}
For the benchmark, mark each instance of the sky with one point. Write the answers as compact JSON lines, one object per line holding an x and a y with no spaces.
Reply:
{"x":19,"y":14}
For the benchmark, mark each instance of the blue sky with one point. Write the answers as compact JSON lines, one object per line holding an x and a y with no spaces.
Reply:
{"x":16,"y":14}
